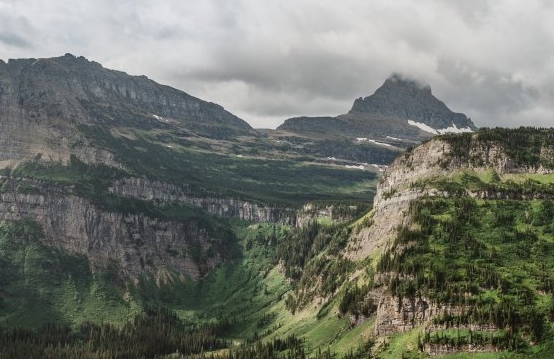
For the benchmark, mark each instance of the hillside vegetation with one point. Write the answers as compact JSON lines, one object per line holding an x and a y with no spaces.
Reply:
{"x":470,"y":268}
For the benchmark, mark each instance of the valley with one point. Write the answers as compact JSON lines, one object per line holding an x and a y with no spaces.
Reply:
{"x":139,"y":221}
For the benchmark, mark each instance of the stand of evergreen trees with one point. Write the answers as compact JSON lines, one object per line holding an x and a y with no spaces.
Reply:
{"x":492,"y":259}
{"x":523,"y":146}
{"x":313,"y":254}
{"x":155,"y":333}
{"x":158,"y":333}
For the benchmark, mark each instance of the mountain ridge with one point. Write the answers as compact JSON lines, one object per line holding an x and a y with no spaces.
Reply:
{"x":456,"y":255}
{"x":43,"y":101}
{"x":401,"y":108}
{"x":119,"y":168}
{"x":434,"y":269}
{"x":400,"y":96}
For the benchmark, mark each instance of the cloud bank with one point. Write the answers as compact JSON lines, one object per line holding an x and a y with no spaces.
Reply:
{"x":269,"y":60}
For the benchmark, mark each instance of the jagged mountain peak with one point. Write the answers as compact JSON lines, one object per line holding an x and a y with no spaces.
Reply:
{"x":393,"y":94}
{"x":71,"y":87}
{"x":402,"y":109}
{"x":409,"y":99}
{"x":400,"y":83}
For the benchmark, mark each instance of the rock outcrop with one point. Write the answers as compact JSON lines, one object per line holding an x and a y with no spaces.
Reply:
{"x":137,"y":243}
{"x":400,"y":112}
{"x":411,"y":177}
{"x":146,"y":190}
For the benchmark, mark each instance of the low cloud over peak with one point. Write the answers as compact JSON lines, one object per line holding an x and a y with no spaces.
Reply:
{"x":267,"y":61}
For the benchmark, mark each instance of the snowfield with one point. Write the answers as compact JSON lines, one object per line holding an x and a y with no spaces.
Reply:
{"x":360,"y":167}
{"x":362,"y":139}
{"x":427,"y":128}
{"x":160,"y":118}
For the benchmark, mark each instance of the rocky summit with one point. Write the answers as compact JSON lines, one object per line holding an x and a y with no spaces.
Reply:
{"x":139,"y":222}
{"x":43,"y":101}
{"x":400,"y":111}
{"x":406,"y":98}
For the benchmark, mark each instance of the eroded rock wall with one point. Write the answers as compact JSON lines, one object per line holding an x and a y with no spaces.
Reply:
{"x":406,"y":181}
{"x":139,"y":244}
{"x":146,"y":190}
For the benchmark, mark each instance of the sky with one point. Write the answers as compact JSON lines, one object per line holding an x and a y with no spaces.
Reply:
{"x":266,"y":61}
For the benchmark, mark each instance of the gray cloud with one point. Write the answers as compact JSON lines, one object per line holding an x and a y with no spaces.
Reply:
{"x":267,"y":61}
{"x":13,"y":40}
{"x":14,"y":31}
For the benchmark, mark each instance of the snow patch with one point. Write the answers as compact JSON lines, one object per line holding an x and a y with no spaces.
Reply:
{"x":240,"y":156}
{"x":394,"y":138}
{"x":454,"y":129}
{"x":160,"y":118}
{"x":331,"y":158}
{"x":380,"y":168}
{"x":380,"y":143}
{"x":362,"y":139}
{"x":423,"y":127}
{"x":450,"y":129}
{"x":360,"y":167}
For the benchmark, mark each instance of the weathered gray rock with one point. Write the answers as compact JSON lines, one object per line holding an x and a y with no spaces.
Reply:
{"x":44,"y":102}
{"x":385,"y":116}
{"x":146,"y":190}
{"x":139,"y":244}
{"x":405,"y":98}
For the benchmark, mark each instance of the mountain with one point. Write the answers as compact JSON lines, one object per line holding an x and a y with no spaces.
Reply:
{"x":119,"y":168}
{"x":404,"y":98}
{"x":400,"y":111}
{"x":455,"y":259}
{"x":143,"y":238}
{"x":44,"y":101}
{"x":462,"y":227}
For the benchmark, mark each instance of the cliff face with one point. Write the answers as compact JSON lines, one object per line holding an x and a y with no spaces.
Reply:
{"x":394,"y":194}
{"x":414,"y":175}
{"x":137,"y":243}
{"x":55,"y":112}
{"x":146,"y":190}
{"x":44,"y":101}
{"x":398,"y":186}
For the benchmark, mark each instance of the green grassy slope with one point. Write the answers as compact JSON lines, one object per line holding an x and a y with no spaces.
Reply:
{"x":268,"y":178}
{"x":43,"y":285}
{"x":490,"y":255}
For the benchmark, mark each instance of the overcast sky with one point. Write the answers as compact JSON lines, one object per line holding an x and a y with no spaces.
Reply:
{"x":269,"y":60}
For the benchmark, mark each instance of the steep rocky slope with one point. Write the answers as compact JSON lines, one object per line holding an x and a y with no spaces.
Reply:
{"x":56,"y":113}
{"x":44,"y":101}
{"x":464,"y":202}
{"x":137,"y":243}
{"x":400,"y":112}
{"x":408,"y":99}
{"x":411,"y":175}
{"x":118,"y":167}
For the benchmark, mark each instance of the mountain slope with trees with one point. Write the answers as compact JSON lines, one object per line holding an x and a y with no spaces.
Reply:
{"x":126,"y":235}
